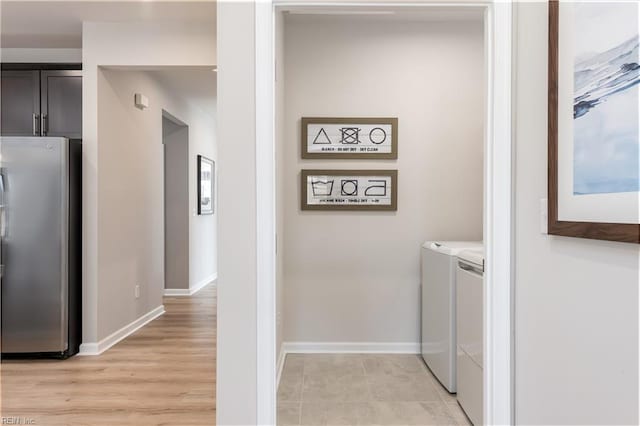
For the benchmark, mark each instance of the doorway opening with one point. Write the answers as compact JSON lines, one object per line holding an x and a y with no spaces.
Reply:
{"x":493,"y":165}
{"x":352,"y":278}
{"x":175,"y":141}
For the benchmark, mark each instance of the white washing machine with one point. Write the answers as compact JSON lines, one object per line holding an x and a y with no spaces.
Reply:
{"x":439,"y":262}
{"x":470,"y":304}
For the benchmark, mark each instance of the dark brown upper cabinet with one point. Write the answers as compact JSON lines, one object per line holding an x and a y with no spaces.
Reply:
{"x":20,"y":108}
{"x":41,"y":103}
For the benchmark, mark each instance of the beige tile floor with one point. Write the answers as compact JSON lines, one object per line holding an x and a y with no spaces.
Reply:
{"x":363,"y":389}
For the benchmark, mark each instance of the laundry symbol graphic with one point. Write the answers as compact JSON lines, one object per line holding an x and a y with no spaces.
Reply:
{"x":379,"y":189}
{"x":350,"y":135}
{"x":322,"y":188}
{"x":349,"y":187}
{"x":322,"y":138}
{"x":377,"y":135}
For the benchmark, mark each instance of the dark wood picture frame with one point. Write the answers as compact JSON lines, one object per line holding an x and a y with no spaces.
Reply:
{"x":393,"y":155}
{"x":622,"y":232}
{"x":393,"y":174}
{"x":201,"y":211}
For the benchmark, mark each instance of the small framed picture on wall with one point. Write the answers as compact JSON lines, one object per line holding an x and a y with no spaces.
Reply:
{"x":206,"y":181}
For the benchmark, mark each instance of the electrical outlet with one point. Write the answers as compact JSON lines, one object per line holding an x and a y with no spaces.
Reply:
{"x":279,"y":318}
{"x":137,"y":292}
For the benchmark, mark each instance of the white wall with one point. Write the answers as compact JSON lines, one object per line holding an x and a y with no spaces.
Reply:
{"x":355,"y":276}
{"x":203,"y":229}
{"x":161,"y":44}
{"x":131,"y":178}
{"x":27,"y":55}
{"x":576,"y":300}
{"x":237,"y":385}
{"x":130,"y":193}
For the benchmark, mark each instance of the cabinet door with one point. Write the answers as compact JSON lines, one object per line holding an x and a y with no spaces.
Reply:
{"x":62,"y":103}
{"x":20,"y":103}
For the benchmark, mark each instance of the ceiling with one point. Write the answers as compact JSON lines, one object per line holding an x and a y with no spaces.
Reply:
{"x":58,"y":24}
{"x":196,"y":85}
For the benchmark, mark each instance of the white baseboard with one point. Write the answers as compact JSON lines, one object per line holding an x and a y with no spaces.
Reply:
{"x":203,"y":283}
{"x":342,"y":348}
{"x":280,"y":365}
{"x":89,"y":349}
{"x":127,"y":330}
{"x":173,"y":292}
{"x":351,"y":347}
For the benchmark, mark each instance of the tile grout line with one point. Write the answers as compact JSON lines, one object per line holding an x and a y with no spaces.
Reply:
{"x":366,"y":380}
{"x":304,"y":367}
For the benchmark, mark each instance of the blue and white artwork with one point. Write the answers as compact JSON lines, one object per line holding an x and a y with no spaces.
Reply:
{"x":606,"y":99}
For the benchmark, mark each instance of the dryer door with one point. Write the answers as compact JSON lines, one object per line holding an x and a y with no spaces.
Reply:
{"x":469,"y":348}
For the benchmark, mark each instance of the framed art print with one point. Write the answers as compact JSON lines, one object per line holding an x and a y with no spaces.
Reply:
{"x":594,"y":120}
{"x":206,"y":181}
{"x":349,"y":138}
{"x":349,"y":190}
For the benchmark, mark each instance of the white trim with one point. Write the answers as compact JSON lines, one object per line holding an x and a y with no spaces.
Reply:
{"x":342,"y":348}
{"x":184,"y":292}
{"x":498,"y":231}
{"x":124,"y":332}
{"x":88,"y":349}
{"x":203,"y":283}
{"x":177,"y":292}
{"x":265,"y":214}
{"x":287,"y":5}
{"x":280,"y":366}
{"x":498,"y":217}
{"x":350,"y":348}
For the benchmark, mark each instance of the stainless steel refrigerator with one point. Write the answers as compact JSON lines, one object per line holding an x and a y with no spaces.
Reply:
{"x":40,"y":230}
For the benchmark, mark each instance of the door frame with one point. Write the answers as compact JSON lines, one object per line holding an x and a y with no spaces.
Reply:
{"x":498,"y":199}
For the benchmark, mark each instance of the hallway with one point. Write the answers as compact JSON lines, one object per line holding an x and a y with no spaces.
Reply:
{"x":164,"y":374}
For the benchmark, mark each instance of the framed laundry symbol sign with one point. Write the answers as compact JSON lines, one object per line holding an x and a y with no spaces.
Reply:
{"x":349,"y":190}
{"x":341,"y":138}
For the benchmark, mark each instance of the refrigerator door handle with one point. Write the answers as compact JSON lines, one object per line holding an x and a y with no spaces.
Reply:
{"x":3,"y":213}
{"x":3,"y":222}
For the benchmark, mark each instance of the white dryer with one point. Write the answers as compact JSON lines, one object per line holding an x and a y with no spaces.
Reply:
{"x":439,"y":262}
{"x":470,"y":303}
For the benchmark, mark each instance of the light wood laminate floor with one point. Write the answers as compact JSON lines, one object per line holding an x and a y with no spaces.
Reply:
{"x":363,"y":389}
{"x":164,"y":374}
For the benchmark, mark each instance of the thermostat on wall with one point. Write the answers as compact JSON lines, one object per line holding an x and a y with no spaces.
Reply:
{"x":141,"y":101}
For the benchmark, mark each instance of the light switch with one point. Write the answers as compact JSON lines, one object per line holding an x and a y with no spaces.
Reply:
{"x":544,"y":216}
